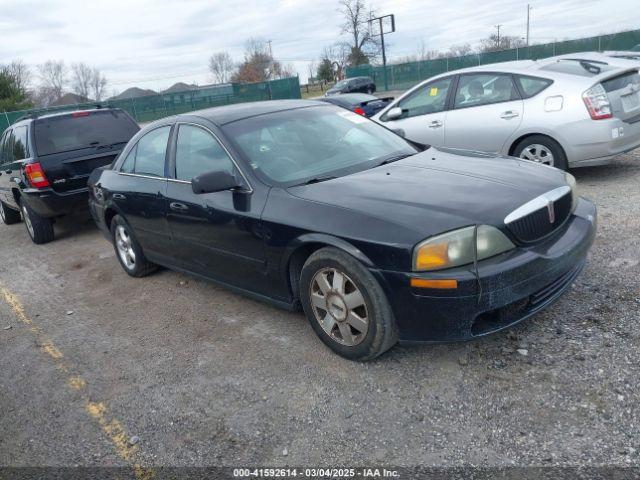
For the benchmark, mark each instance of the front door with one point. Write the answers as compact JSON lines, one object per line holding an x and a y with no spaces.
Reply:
{"x":486,"y":111}
{"x":215,"y":234}
{"x":423,"y":113}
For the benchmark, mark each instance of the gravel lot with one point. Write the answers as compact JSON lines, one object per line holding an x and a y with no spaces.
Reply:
{"x":103,"y":369}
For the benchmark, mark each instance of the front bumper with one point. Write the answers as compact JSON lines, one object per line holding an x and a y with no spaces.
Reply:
{"x":48,"y":203}
{"x":511,"y":286}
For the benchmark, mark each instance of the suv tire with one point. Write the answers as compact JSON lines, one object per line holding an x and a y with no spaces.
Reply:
{"x":40,"y":229}
{"x":9,"y":215}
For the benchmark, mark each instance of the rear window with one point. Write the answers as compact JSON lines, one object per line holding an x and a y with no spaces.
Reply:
{"x":532,"y":86}
{"x":621,"y":81}
{"x":96,"y":128}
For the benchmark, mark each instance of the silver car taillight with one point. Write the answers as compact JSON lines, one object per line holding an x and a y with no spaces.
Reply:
{"x":597,"y":102}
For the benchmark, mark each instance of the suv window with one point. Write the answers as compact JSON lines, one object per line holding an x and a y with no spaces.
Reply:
{"x":197,"y":151}
{"x":532,"y":86}
{"x":148,"y":156}
{"x":430,"y":98}
{"x":7,"y":147}
{"x":484,"y":89}
{"x":20,"y":151}
{"x":82,"y":130}
{"x":3,"y":139}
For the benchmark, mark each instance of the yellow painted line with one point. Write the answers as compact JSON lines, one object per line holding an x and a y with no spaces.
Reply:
{"x":98,"y":411}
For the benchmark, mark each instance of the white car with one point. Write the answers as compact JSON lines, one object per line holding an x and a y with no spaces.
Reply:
{"x":561,"y":112}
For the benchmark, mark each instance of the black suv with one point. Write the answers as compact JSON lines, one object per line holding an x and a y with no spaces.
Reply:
{"x":353,"y":85}
{"x":45,"y":162}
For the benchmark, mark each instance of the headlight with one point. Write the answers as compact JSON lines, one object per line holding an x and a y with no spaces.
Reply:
{"x":456,"y":248}
{"x":571,"y":181}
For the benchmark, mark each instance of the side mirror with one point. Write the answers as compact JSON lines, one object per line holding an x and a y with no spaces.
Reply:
{"x":216,"y":181}
{"x":394,"y":113}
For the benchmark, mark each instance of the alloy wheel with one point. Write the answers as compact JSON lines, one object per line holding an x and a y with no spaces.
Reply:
{"x":339,"y":306}
{"x":124,"y":245}
{"x":27,"y":221}
{"x":2,"y":212}
{"x":538,"y":153}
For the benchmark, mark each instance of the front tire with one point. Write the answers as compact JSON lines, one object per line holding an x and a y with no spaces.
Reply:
{"x":40,"y":229}
{"x":128,"y":250}
{"x":542,"y":149}
{"x":346,"y":305}
{"x":9,"y":215}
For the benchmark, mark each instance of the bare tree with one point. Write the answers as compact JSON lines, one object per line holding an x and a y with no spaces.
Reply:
{"x":98,"y":85}
{"x":493,"y":43}
{"x":460,"y":50}
{"x":312,"y":69}
{"x":259,"y":65}
{"x":356,"y":25}
{"x":81,"y":79}
{"x":221,"y":66}
{"x":53,"y":77}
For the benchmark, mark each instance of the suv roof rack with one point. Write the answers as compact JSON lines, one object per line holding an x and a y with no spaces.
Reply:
{"x":41,"y":112}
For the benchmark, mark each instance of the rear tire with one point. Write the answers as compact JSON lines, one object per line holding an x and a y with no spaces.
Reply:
{"x":40,"y":229}
{"x":346,"y":305}
{"x":128,"y":250}
{"x":9,"y":215}
{"x":543,"y":149}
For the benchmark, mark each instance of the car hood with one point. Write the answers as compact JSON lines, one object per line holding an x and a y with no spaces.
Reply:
{"x":438,"y":190}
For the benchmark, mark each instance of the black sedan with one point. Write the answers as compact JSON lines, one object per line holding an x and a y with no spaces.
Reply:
{"x":360,"y":103}
{"x":306,"y":204}
{"x":353,"y":85}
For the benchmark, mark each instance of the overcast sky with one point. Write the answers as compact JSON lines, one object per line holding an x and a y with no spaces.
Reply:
{"x":154,"y":44}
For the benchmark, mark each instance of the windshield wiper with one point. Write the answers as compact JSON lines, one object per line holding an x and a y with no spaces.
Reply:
{"x":394,"y":159}
{"x":316,"y":180}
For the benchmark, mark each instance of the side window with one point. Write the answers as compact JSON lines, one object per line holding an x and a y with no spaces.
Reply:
{"x":7,"y":147}
{"x":484,"y":89}
{"x":3,"y":139}
{"x":531,"y":86}
{"x":430,"y":98}
{"x":197,"y":151}
{"x":151,"y":151}
{"x":20,"y":151}
{"x":129,"y":162}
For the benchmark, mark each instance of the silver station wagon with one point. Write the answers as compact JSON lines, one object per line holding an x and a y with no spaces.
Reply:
{"x":564,"y":113}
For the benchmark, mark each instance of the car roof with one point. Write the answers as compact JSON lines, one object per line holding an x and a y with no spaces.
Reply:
{"x":239,"y":111}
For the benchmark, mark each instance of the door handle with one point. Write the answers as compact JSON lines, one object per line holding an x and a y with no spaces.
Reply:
{"x":435,"y":124}
{"x":180,"y":207}
{"x":119,"y":196}
{"x":509,"y":115}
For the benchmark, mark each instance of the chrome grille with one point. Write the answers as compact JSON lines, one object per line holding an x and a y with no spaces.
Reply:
{"x":541,"y":216}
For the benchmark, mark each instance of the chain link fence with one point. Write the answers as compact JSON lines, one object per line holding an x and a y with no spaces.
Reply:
{"x":153,"y":107}
{"x":405,"y":75}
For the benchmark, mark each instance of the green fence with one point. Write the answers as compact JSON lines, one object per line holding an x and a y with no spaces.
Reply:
{"x":405,"y":75}
{"x":153,"y":107}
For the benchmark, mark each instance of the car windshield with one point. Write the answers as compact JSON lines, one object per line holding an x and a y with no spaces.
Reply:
{"x":296,"y":146}
{"x":341,"y":83}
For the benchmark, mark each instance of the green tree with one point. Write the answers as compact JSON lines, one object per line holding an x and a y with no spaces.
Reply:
{"x":12,"y":95}
{"x":325,"y":70}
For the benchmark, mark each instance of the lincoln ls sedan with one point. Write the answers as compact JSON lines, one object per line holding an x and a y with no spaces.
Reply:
{"x":377,"y":239}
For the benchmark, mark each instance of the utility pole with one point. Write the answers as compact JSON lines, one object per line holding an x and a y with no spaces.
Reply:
{"x":270,"y":50}
{"x":498,"y":41}
{"x":529,"y":7}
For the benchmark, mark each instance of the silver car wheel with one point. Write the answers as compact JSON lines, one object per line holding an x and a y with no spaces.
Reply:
{"x":538,"y":153}
{"x":2,"y":212}
{"x":339,"y":306}
{"x":124,"y":246}
{"x":27,"y":221}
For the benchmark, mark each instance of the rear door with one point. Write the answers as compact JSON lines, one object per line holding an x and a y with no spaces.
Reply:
{"x":6,"y":159}
{"x":141,"y":197}
{"x":487,"y":110}
{"x":624,"y":94}
{"x":424,"y":113}
{"x":69,"y":147}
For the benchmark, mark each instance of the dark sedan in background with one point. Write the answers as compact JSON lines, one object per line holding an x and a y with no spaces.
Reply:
{"x":376,"y":239}
{"x":353,"y":85}
{"x":360,"y":103}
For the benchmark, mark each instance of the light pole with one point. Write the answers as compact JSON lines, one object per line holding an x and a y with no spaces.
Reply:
{"x":498,"y":40}
{"x":529,"y":7}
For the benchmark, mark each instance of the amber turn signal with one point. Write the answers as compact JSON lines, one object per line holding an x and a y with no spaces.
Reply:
{"x":440,"y":284}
